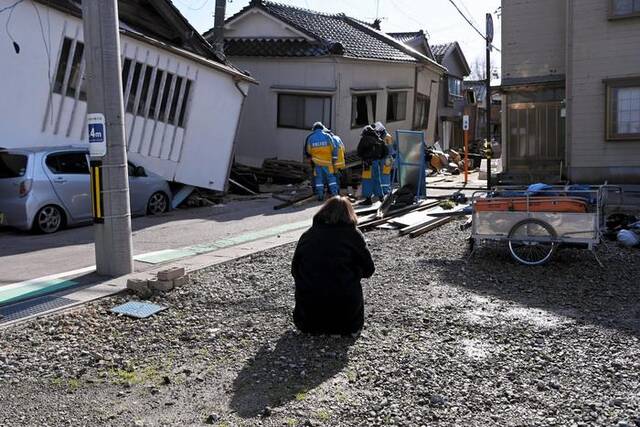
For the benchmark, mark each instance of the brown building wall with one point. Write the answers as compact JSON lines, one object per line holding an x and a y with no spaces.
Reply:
{"x":533,"y":41}
{"x":602,"y":49}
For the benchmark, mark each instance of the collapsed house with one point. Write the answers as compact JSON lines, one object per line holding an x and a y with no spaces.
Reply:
{"x":182,"y":100}
{"x":324,"y":67}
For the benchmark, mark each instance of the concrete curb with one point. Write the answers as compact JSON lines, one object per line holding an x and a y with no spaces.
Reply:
{"x":193,"y":264}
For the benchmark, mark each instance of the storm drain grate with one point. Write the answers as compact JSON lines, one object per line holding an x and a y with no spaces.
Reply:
{"x":35,"y":306}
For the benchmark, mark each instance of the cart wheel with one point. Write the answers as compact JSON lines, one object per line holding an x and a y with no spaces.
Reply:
{"x":536,"y":251}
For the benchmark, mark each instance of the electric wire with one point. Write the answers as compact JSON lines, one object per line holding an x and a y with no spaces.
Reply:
{"x":471,"y":24}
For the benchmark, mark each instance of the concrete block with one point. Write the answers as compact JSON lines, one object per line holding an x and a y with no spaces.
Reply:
{"x":180,"y":281}
{"x":161,"y":285}
{"x":170,"y":273}
{"x":140,"y":287}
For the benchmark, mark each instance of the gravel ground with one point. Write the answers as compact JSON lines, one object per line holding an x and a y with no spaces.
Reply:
{"x":447,"y":341}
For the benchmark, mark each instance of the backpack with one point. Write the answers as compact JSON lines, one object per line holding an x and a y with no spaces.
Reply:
{"x":371,"y":147}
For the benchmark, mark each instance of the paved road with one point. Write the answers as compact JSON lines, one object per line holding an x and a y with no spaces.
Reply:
{"x":25,"y":256}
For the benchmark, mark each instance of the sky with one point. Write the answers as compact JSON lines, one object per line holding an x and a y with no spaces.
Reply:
{"x":438,"y":18}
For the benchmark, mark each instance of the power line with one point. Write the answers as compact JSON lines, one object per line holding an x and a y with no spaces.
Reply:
{"x":471,"y":23}
{"x":406,"y":14}
{"x":188,"y":6}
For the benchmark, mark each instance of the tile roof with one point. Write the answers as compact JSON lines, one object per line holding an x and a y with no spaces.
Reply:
{"x":156,"y":19}
{"x":440,"y":50}
{"x":262,"y":47}
{"x":415,"y":39}
{"x":407,"y":37}
{"x":335,"y":34}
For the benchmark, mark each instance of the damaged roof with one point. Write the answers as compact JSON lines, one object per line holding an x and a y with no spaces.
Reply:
{"x":161,"y":22}
{"x":329,"y":34}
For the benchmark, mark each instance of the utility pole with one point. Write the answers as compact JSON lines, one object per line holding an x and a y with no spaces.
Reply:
{"x":489,"y":40}
{"x":218,"y":26}
{"x":105,"y":118}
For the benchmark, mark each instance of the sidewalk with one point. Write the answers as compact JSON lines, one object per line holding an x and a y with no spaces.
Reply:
{"x":40,"y":296}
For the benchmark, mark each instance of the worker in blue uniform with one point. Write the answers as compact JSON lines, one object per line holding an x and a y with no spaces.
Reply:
{"x":322,"y":151}
{"x":387,"y":162}
{"x":371,"y":171}
{"x":340,"y":164}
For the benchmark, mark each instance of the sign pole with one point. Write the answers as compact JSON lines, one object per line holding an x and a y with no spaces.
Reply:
{"x":465,"y":128}
{"x":489,"y":39}
{"x":105,"y":121}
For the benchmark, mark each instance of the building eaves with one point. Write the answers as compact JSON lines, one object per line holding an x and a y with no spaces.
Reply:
{"x":335,"y":34}
{"x":191,"y":44}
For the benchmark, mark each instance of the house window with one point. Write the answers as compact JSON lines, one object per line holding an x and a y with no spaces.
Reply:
{"x":363,"y":109}
{"x":69,"y":70}
{"x":396,"y":106}
{"x":156,"y":100}
{"x":302,"y":111}
{"x":624,"y":8}
{"x":455,"y":86}
{"x":623,"y":109}
{"x":421,"y":119}
{"x":454,"y":89}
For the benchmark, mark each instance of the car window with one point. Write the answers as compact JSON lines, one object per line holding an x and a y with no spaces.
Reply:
{"x":12,"y":165}
{"x":68,"y":163}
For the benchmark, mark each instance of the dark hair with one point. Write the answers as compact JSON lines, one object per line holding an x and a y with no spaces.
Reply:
{"x":337,"y":210}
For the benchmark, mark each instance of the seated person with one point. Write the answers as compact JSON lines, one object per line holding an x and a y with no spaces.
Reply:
{"x":330,"y":260}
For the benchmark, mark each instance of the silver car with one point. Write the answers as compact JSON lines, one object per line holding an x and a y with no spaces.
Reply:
{"x":46,"y":188}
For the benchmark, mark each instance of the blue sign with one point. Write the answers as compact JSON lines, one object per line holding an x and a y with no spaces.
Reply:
{"x":96,"y":132}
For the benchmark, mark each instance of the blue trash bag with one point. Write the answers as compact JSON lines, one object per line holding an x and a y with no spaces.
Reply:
{"x":534,"y":189}
{"x":628,"y":238}
{"x":581,"y":192}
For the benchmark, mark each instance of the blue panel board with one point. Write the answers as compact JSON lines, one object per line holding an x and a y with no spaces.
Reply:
{"x":138,"y":309}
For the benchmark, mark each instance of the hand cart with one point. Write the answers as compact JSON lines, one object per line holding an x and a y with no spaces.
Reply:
{"x":535,"y":223}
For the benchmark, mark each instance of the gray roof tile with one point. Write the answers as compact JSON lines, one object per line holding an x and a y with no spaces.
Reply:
{"x":335,"y":34}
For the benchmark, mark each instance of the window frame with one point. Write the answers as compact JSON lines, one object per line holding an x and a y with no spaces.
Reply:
{"x":303,"y":95}
{"x":391,"y":93}
{"x":613,"y":16}
{"x":610,"y":85}
{"x":427,"y":99}
{"x":374,"y":106}
{"x":57,"y":154}
{"x":451,"y":97}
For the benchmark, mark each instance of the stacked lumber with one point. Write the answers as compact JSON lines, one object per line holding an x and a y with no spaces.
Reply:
{"x":276,"y":171}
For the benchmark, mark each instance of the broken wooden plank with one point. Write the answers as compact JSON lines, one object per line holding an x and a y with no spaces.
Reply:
{"x":432,"y":226}
{"x":295,"y":202}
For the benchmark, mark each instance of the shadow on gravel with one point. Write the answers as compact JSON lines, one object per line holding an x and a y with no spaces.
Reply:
{"x":277,"y":375}
{"x":572,"y":284}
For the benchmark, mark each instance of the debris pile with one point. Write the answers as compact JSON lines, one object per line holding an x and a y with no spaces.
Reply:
{"x":164,"y":281}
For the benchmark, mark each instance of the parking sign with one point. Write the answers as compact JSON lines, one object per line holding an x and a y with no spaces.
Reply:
{"x":97,"y":132}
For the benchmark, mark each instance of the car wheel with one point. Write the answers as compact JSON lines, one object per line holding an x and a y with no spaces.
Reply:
{"x":49,"y":219}
{"x":158,"y":203}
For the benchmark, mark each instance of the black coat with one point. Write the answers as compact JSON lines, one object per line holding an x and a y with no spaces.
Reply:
{"x":328,"y":264}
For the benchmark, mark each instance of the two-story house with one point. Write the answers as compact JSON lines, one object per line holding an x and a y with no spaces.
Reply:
{"x":451,"y":100}
{"x":313,"y":66}
{"x":451,"y":103}
{"x":571,"y":90}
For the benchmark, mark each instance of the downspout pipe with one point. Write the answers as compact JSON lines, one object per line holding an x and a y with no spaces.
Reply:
{"x":232,"y":157}
{"x":568,"y":86}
